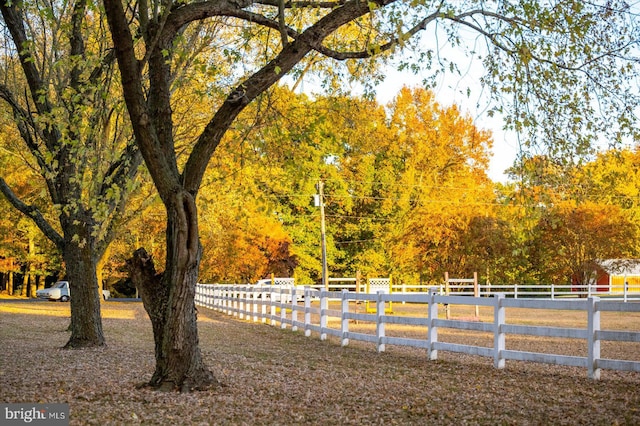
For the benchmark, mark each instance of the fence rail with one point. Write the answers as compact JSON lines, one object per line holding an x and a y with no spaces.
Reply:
{"x":270,"y":305}
{"x":623,"y":292}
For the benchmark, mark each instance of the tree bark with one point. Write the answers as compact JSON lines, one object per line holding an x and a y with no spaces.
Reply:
{"x":10,"y":288}
{"x":80,"y":261}
{"x":25,"y":284}
{"x":168,"y":298}
{"x":32,"y":285}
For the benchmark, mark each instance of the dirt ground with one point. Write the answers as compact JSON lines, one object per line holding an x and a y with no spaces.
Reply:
{"x":272,"y":376}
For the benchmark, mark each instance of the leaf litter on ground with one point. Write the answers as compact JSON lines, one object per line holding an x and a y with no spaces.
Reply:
{"x":273,"y":376}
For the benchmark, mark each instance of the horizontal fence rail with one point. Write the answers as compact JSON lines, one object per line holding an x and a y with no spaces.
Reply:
{"x":624,"y":292}
{"x":294,"y":306}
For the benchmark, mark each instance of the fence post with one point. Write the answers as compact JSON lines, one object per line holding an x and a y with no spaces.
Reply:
{"x":263,"y":301}
{"x":476,"y":291}
{"x":223,"y":299}
{"x":272,"y":304}
{"x":283,"y":308}
{"x":447,"y":308}
{"x":230,"y":300}
{"x":515,"y":291}
{"x":294,"y":311}
{"x":242,"y":294}
{"x":432,"y":331}
{"x":380,"y":320}
{"x":553,"y":288}
{"x":626,"y":289}
{"x":240,"y":297}
{"x":254,"y":304}
{"x":499,"y":336}
{"x":212,"y":297}
{"x":235,"y":294}
{"x":307,"y":311}
{"x":324,"y":305}
{"x":593,"y":342}
{"x":344,"y":320}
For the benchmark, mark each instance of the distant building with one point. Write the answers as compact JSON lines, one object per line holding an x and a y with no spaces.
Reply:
{"x":610,"y":275}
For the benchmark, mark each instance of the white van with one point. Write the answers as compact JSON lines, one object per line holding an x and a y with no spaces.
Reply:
{"x":60,"y":291}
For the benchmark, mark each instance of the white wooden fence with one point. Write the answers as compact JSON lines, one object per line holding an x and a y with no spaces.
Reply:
{"x":623,"y":292}
{"x":259,"y":304}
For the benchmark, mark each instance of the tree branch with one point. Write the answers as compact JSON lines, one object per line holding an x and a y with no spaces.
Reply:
{"x":260,"y":81}
{"x":33,"y":213}
{"x":303,"y":4}
{"x":282,"y":24}
{"x":24,"y":121}
{"x":145,"y":133}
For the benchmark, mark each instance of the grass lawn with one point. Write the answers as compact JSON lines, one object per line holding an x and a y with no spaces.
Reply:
{"x":272,"y":376}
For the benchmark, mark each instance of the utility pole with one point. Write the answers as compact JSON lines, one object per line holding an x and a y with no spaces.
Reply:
{"x":323,"y":236}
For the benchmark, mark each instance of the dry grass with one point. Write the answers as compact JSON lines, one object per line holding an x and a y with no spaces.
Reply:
{"x":274,"y":376}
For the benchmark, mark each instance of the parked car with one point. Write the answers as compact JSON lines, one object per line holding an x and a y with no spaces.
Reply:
{"x":60,"y":291}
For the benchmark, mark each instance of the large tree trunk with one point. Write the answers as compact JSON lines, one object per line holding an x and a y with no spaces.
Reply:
{"x":80,"y":261}
{"x":25,"y":283}
{"x":169,"y":300}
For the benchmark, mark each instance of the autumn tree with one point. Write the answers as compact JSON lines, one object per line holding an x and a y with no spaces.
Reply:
{"x":544,"y":64}
{"x":613,"y":177}
{"x":442,"y":158}
{"x":22,"y":248}
{"x":304,"y":140}
{"x":55,"y":84}
{"x":571,"y":237}
{"x":243,"y":239}
{"x":379,"y":166}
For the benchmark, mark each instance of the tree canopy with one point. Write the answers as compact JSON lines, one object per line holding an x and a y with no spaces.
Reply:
{"x":553,"y":64}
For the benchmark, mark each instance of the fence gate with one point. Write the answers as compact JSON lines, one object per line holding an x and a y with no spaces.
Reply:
{"x":460,"y":284}
{"x":374,"y":285}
